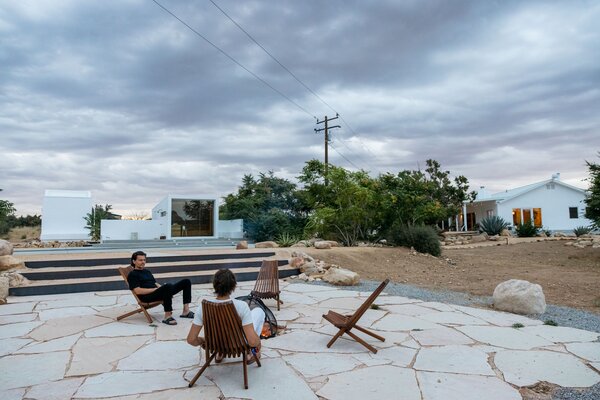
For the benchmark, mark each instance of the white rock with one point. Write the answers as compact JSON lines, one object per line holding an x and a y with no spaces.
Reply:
{"x":6,"y":248}
{"x":520,"y":297}
{"x":3,"y":289}
{"x":266,"y":245}
{"x":322,"y":245}
{"x":10,"y":262}
{"x":341,"y":276}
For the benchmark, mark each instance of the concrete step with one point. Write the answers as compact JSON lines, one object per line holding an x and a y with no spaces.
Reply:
{"x":94,"y":274}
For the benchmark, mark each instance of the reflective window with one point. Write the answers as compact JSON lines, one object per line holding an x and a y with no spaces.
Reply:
{"x":191,"y":217}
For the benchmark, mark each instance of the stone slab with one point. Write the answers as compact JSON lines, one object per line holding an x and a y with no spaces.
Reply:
{"x":53,"y":313}
{"x":397,"y":355}
{"x":18,"y":329}
{"x":32,"y":369}
{"x":562,"y":334}
{"x":122,"y":383}
{"x":59,"y":390}
{"x":441,"y":386}
{"x":115,"y":329}
{"x":60,"y":327}
{"x":59,"y":344}
{"x":588,"y":351}
{"x":440,"y":337}
{"x":453,"y":318}
{"x":379,"y":382}
{"x":509,"y":338}
{"x":11,"y":345}
{"x":161,"y":356}
{"x":311,"y":365}
{"x":453,"y":359}
{"x":11,"y":319}
{"x":498,"y":318}
{"x":311,"y":342}
{"x":408,"y":309}
{"x":524,"y":368}
{"x":16,"y":308}
{"x":394,"y":322}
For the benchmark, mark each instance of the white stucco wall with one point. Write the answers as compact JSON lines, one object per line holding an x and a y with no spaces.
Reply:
{"x":130,"y":230}
{"x":63,"y":213}
{"x":554,"y":203}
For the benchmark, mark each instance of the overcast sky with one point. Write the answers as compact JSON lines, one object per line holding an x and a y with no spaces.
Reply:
{"x":122,"y":99}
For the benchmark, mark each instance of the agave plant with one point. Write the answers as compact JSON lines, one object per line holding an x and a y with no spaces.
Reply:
{"x":582,"y":230}
{"x":286,"y":239}
{"x":493,"y":225}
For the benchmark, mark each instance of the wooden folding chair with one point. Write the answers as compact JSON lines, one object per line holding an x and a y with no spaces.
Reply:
{"x":223,"y":334}
{"x":124,"y":271}
{"x":346,"y":323}
{"x":267,"y":283}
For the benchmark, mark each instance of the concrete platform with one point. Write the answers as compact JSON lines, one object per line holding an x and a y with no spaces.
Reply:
{"x":71,"y":346}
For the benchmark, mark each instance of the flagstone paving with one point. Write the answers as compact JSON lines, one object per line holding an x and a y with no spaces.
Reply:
{"x":71,"y":346}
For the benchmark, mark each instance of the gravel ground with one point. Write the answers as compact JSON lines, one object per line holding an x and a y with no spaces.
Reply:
{"x":563,"y":316}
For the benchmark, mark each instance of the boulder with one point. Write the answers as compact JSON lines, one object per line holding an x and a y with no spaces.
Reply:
{"x":242,"y":245}
{"x":10,"y":262}
{"x":521,"y":297}
{"x":295,"y":262}
{"x":332,"y":243}
{"x":341,"y":276}
{"x":302,"y":243}
{"x":309,"y":268}
{"x":322,"y":245}
{"x":479,"y":238}
{"x":6,"y":248}
{"x":559,"y":234}
{"x":15,"y":279}
{"x":4,"y":285}
{"x":266,"y":245}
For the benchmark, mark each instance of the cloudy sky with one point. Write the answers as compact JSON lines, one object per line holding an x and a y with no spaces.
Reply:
{"x":122,"y":99}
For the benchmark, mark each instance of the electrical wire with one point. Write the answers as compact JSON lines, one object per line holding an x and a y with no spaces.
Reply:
{"x":233,"y":59}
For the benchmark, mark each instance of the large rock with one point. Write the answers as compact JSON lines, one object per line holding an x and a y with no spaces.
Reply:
{"x":521,"y":297}
{"x":242,"y":245}
{"x":3,"y":289}
{"x":322,"y":244}
{"x":266,"y":245}
{"x":505,"y":232}
{"x":15,"y":279}
{"x":341,"y":276}
{"x":332,"y":243}
{"x":10,"y":262}
{"x":6,"y":248}
{"x":479,"y":238}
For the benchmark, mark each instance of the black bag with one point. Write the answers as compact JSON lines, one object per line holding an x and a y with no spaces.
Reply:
{"x":269,"y":329}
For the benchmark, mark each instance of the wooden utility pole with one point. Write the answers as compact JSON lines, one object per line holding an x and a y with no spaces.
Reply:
{"x":326,"y":131}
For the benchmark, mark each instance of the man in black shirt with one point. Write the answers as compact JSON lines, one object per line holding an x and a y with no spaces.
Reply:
{"x":142,"y":282}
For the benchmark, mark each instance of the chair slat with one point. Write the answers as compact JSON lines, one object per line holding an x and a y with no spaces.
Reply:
{"x":267,"y":282}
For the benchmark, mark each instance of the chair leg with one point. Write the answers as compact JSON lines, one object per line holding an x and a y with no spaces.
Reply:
{"x":334,"y":338}
{"x":206,"y":364}
{"x":359,"y":340}
{"x":120,"y":317}
{"x":278,"y":302}
{"x":245,"y":371}
{"x":368,"y":332}
{"x":148,"y":317}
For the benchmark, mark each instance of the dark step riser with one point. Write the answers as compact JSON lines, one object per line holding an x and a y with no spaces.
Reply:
{"x":97,"y":273}
{"x":126,"y":261}
{"x":106,"y":286}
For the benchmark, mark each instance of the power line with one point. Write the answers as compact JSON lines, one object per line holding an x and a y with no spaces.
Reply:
{"x":233,"y":59}
{"x":344,"y":157}
{"x":291,"y":73}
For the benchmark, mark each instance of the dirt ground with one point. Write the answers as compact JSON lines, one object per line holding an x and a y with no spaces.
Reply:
{"x":569,"y":276}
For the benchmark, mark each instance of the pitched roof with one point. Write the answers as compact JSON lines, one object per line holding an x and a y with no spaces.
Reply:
{"x":512,"y":193}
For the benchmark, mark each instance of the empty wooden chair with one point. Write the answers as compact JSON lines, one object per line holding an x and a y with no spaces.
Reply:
{"x":223,"y":334}
{"x":124,"y":271}
{"x":346,"y":323}
{"x":267,"y":283}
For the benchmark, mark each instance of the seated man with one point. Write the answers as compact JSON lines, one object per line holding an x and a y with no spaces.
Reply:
{"x":143,"y":284}
{"x":224,"y":284}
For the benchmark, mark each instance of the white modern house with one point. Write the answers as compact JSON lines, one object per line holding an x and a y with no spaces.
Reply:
{"x":174,"y":217}
{"x":552,"y":204}
{"x":178,"y":217}
{"x":63,"y":213}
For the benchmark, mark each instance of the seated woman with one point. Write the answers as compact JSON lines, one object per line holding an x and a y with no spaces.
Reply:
{"x":224,"y":284}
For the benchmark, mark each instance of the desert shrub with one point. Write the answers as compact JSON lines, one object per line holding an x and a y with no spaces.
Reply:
{"x":286,"y":239}
{"x":493,"y":225}
{"x":527,"y":229}
{"x":423,"y":239}
{"x":582,"y":230}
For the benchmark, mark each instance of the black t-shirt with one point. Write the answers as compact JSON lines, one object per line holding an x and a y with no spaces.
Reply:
{"x":141,"y":278}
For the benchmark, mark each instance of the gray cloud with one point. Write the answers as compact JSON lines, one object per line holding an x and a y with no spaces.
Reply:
{"x":123,"y":100}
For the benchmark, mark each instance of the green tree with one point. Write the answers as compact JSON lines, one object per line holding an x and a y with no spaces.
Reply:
{"x":592,"y":200}
{"x":268,"y":205}
{"x":7,"y":211}
{"x":345,"y":209}
{"x":94,"y":217}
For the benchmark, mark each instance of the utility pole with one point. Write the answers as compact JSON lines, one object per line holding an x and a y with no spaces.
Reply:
{"x":326,"y":130}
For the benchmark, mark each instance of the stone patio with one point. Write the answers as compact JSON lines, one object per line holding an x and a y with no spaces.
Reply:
{"x":71,"y":346}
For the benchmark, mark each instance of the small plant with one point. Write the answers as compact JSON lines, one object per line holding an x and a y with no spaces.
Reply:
{"x":518,"y":325}
{"x":546,"y":231}
{"x":286,"y":240}
{"x":423,"y":239}
{"x":374,"y":307}
{"x":527,"y":230}
{"x":582,"y":230}
{"x":493,"y":225}
{"x":550,"y":322}
{"x":23,"y":237}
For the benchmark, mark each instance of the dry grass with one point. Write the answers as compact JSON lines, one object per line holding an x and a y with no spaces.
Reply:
{"x":24,"y":233}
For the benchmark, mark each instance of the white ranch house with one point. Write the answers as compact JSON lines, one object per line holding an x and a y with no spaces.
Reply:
{"x":553,"y":204}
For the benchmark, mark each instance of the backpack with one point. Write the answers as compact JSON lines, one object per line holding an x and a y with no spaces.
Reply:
{"x":269,"y":329}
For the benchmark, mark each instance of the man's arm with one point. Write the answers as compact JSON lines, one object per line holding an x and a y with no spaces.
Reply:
{"x":253,"y":338}
{"x":193,"y":337}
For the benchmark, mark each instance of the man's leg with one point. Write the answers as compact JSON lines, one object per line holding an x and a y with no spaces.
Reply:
{"x":186,"y":286}
{"x":258,"y":319}
{"x":163,"y":293}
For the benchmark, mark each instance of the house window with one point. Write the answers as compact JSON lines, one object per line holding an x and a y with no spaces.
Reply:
{"x":550,"y":186}
{"x":523,"y":216}
{"x":573,"y":213}
{"x":537,"y":217}
{"x":516,"y":214}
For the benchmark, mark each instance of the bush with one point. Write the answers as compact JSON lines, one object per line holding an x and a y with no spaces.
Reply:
{"x":493,"y":225}
{"x":582,"y":230}
{"x":423,"y":239}
{"x":527,"y":230}
{"x":286,"y":239}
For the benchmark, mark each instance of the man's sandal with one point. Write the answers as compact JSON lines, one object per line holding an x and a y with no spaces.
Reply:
{"x":169,"y":321}
{"x":190,"y":314}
